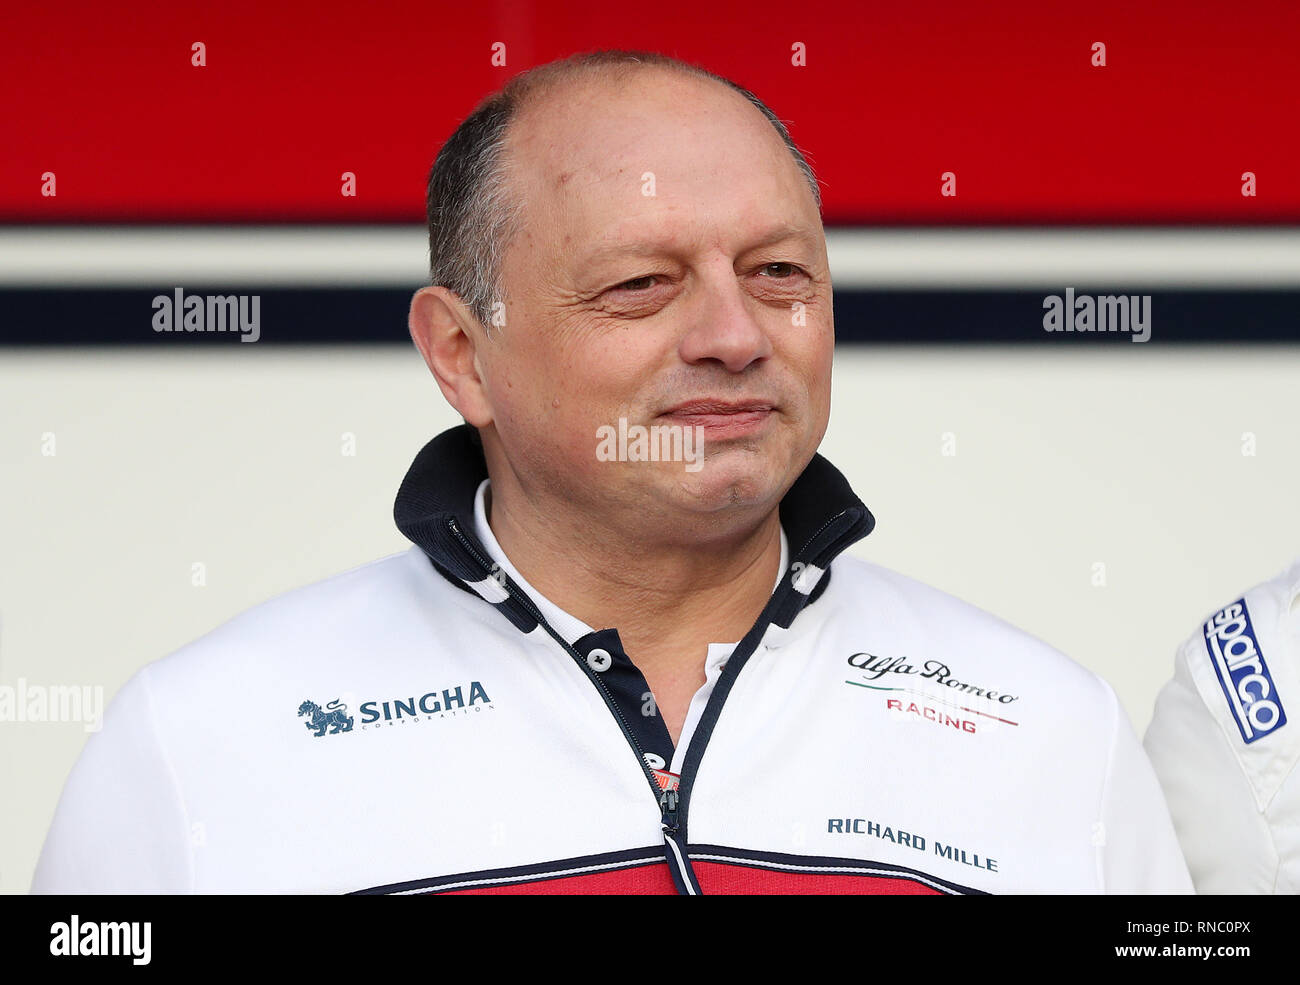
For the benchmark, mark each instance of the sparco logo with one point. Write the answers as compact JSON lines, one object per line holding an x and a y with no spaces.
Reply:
{"x":874,"y":668}
{"x":1242,"y":672}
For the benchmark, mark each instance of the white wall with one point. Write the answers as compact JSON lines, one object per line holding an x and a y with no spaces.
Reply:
{"x":1131,"y":457}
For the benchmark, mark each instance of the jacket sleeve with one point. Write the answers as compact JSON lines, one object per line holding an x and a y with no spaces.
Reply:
{"x":120,"y":825}
{"x":1138,"y":845}
{"x":1225,"y":838}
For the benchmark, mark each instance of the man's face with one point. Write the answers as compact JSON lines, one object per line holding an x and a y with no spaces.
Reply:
{"x":670,"y":253}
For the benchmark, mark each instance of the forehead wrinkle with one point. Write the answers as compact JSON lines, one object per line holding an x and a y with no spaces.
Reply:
{"x":652,"y":247}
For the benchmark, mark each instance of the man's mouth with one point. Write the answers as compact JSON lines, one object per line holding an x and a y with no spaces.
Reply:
{"x":722,"y":418}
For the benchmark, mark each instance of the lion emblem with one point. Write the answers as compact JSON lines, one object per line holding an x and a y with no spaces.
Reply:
{"x":333,"y":714}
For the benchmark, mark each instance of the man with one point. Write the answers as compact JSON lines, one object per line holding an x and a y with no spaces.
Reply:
{"x":616,"y":659}
{"x":1224,"y":748}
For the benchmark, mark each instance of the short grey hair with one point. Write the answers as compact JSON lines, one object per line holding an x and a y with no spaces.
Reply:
{"x":471,"y":212}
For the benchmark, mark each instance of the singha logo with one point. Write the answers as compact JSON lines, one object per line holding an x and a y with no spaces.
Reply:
{"x":333,"y":714}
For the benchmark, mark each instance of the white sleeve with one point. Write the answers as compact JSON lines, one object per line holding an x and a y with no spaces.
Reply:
{"x":120,"y":825}
{"x":1225,"y":838}
{"x":1138,"y":845}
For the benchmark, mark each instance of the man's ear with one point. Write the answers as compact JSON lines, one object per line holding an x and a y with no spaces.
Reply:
{"x":448,"y":336}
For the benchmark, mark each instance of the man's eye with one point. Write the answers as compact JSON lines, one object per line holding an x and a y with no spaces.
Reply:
{"x":637,"y":284}
{"x":780,"y":270}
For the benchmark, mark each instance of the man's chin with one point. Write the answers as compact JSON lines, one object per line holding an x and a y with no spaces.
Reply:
{"x":728,"y":478}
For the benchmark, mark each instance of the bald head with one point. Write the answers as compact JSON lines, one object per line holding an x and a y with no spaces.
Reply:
{"x":537,"y":128}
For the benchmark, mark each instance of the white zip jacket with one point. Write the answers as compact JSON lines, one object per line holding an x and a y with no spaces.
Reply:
{"x":1224,"y":749}
{"x":429,"y":724}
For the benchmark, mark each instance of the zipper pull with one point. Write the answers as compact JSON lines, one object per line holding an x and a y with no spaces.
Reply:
{"x":668,"y":804}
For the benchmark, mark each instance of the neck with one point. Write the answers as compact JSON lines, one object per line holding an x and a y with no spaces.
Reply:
{"x":667,"y":600}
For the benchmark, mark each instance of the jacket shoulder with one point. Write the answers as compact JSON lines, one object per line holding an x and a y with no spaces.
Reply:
{"x":935,"y":621}
{"x":1240,"y":666}
{"x":1262,"y":609}
{"x":304,"y":631}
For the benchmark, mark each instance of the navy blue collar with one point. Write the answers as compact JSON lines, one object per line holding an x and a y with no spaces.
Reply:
{"x":820,"y":513}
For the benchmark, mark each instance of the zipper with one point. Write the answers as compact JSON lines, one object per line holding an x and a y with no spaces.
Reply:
{"x":675,"y":843}
{"x":667,"y":799}
{"x":672,"y":803}
{"x":675,"y":821}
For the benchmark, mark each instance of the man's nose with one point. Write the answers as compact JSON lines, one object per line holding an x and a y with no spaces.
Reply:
{"x":725,"y":324}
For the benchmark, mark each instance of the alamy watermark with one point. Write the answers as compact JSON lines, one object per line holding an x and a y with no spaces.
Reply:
{"x":52,"y":703}
{"x":657,"y":443}
{"x":77,"y":938}
{"x":181,"y":312}
{"x":1107,"y":313}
